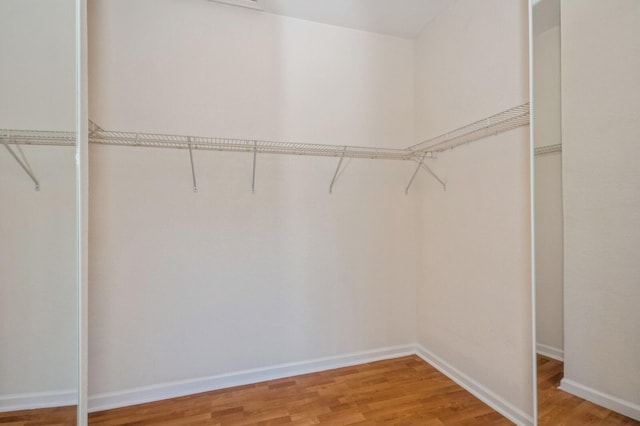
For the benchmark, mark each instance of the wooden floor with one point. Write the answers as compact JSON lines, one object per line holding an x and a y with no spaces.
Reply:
{"x":402,"y":391}
{"x":59,"y":416}
{"x":556,"y":407}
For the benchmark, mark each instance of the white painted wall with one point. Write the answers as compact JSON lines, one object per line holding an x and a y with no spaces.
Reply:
{"x":548,"y":196}
{"x":601,"y":116}
{"x":548,"y":113}
{"x":37,"y":229}
{"x":186,"y":285}
{"x":549,"y":254}
{"x":37,"y":53}
{"x":474,"y":291}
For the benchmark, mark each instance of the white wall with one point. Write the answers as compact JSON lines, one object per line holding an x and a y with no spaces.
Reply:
{"x":474,"y":291}
{"x":37,"y":229}
{"x":549,"y":254}
{"x":37,"y":53}
{"x":548,"y":192}
{"x":548,"y":113}
{"x":186,"y":285}
{"x":601,"y":116}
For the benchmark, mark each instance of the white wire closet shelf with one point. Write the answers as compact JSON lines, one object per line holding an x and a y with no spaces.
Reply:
{"x":37,"y":137}
{"x":493,"y":125}
{"x":498,"y":123}
{"x":548,"y":149}
{"x":106,"y":137}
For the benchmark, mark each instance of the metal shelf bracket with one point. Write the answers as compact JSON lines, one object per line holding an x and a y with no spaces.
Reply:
{"x":93,"y":127}
{"x":432,"y":173}
{"x":413,"y":176}
{"x":423,"y":165}
{"x":253,"y":177}
{"x":337,"y":172}
{"x":24,"y":165}
{"x":193,"y":170}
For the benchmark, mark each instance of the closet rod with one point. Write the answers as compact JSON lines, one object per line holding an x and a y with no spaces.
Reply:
{"x":541,"y":150}
{"x":498,"y":123}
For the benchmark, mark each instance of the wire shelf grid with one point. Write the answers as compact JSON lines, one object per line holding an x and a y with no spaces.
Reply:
{"x":38,"y":137}
{"x":245,"y":145}
{"x":495,"y":124}
{"x":506,"y":120}
{"x":549,"y":149}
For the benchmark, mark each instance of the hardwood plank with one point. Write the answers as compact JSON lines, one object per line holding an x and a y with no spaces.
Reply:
{"x":58,"y":416}
{"x":556,"y":407}
{"x":401,"y":391}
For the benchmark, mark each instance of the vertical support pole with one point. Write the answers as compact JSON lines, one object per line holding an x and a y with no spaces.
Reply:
{"x":193,"y":170}
{"x":406,"y":191}
{"x":253,"y":178}
{"x":82,"y":210}
{"x":532,"y":193}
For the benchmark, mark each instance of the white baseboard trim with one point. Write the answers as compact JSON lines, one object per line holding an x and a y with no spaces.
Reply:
{"x":479,"y":391}
{"x":611,"y":402}
{"x":30,"y":401}
{"x":107,"y":401}
{"x":550,"y":352}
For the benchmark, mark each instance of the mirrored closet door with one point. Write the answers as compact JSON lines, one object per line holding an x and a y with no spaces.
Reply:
{"x":549,"y":255}
{"x":38,"y":207}
{"x":586,"y":115}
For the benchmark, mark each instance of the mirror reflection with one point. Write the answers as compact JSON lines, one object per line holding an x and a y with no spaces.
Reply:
{"x":586,"y":62}
{"x":38,"y":301}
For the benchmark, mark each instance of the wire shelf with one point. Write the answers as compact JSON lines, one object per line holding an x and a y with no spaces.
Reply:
{"x":542,"y":150}
{"x":38,"y":137}
{"x":493,"y":125}
{"x":106,"y":137}
{"x":506,"y":120}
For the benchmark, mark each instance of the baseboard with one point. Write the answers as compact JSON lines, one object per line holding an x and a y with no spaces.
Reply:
{"x":550,"y":352}
{"x":107,"y":401}
{"x":479,"y":391}
{"x":611,"y":402}
{"x":30,"y":401}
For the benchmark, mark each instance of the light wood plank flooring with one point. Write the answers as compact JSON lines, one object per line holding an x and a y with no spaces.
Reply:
{"x":556,"y":407}
{"x":402,"y":391}
{"x":59,"y":416}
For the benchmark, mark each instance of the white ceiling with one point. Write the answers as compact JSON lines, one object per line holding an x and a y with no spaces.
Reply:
{"x":402,"y":18}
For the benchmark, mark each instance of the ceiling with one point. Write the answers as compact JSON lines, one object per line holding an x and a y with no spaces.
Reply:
{"x":401,"y":18}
